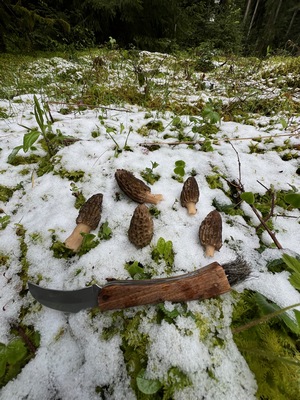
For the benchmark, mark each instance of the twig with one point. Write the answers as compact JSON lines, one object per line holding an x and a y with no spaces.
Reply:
{"x":240,"y":167}
{"x":254,"y":209}
{"x":278,"y":245}
{"x":25,"y":338}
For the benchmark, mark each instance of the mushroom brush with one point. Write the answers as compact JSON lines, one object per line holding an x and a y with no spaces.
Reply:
{"x":141,"y":227}
{"x":190,"y":195}
{"x":88,"y":219}
{"x":135,"y":188}
{"x":210,"y":233}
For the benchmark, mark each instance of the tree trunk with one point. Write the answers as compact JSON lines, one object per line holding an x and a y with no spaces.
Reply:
{"x":252,"y":19}
{"x":247,"y":11}
{"x":291,"y":23}
{"x":277,"y":11}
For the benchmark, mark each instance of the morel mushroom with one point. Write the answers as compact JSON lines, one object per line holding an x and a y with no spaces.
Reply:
{"x":210,"y":233}
{"x":141,"y":227}
{"x":190,"y":195}
{"x":136,"y":189}
{"x":88,"y":219}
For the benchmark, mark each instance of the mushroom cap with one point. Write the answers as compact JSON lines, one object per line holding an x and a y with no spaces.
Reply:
{"x":141,"y":227}
{"x":190,"y":192}
{"x":90,"y":212}
{"x":210,"y":232}
{"x":133,"y":187}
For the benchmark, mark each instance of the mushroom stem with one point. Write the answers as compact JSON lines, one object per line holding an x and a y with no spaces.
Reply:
{"x":153,"y":198}
{"x":74,"y":241}
{"x":191,"y":207}
{"x":209,"y":250}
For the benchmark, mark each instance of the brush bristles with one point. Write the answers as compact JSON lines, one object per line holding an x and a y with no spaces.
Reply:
{"x":237,"y":271}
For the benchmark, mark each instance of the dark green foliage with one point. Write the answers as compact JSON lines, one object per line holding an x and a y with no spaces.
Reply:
{"x":163,"y":251}
{"x":17,"y":352}
{"x":270,"y":348}
{"x":105,"y":232}
{"x":156,"y":25}
{"x":5,"y":193}
{"x":149,"y":175}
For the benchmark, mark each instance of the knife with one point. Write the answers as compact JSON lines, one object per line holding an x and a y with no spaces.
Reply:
{"x":207,"y":282}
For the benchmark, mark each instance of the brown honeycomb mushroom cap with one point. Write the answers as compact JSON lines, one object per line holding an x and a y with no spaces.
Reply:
{"x":135,"y":188}
{"x":141,"y":227}
{"x":190,"y":195}
{"x":90,"y":212}
{"x":88,"y":219}
{"x":210,"y":233}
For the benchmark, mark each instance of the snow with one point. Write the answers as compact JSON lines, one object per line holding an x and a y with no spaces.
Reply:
{"x":73,"y":358}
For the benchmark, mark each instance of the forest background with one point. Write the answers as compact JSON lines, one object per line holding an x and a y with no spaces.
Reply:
{"x":245,"y":27}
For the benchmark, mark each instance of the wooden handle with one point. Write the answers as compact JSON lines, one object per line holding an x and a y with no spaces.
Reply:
{"x":207,"y":282}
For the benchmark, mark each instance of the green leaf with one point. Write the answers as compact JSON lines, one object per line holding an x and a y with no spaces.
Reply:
{"x":268,"y":308}
{"x":13,"y":154}
{"x":293,"y":199}
{"x":248,"y":197}
{"x":147,"y":386}
{"x":2,"y":359}
{"x":88,"y":243}
{"x":2,"y":366}
{"x":105,"y":232}
{"x":284,"y":123}
{"x":15,"y":351}
{"x":39,"y":114}
{"x":180,"y":163}
{"x":292,"y":263}
{"x":295,"y":280}
{"x":169,"y":253}
{"x":30,"y":138}
{"x":161,"y":245}
{"x":134,"y":270}
{"x":179,"y":171}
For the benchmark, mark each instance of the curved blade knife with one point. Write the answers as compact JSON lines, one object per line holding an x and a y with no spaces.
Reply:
{"x":204,"y":283}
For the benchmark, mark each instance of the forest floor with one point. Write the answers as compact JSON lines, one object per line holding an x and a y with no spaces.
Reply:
{"x":67,"y":123}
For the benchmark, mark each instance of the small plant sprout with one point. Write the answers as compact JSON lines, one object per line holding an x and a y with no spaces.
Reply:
{"x":149,"y":175}
{"x":44,"y":124}
{"x":105,"y":232}
{"x":163,"y":251}
{"x":87,"y":220}
{"x":179,"y":170}
{"x":209,"y":113}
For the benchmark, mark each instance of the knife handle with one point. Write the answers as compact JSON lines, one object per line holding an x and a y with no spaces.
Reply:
{"x":207,"y":282}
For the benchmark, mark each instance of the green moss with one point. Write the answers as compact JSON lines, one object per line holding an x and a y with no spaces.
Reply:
{"x":270,"y":349}
{"x":21,"y":160}
{"x":155,"y":125}
{"x":4,"y":259}
{"x":214,"y":181}
{"x":5,"y":193}
{"x":74,"y":176}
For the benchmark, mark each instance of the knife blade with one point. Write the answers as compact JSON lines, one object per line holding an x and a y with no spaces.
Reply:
{"x":207,"y":282}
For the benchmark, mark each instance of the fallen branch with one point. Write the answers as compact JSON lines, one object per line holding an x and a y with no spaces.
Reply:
{"x":226,"y":140}
{"x":240,"y":187}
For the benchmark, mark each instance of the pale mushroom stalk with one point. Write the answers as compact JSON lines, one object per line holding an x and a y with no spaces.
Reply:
{"x":210,"y":233}
{"x":191,"y":207}
{"x":88,"y":219}
{"x":190,"y":195}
